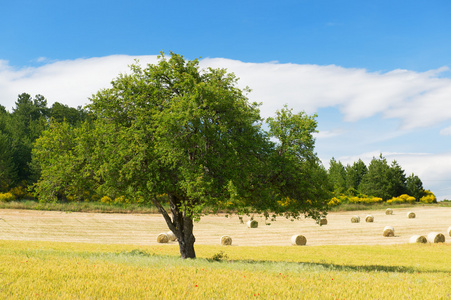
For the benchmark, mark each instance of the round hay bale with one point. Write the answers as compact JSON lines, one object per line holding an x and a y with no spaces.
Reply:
{"x":226,"y":240}
{"x":449,"y":231}
{"x":298,"y":240}
{"x":389,"y":211}
{"x":171,"y":236}
{"x":162,"y":238}
{"x":411,"y":215}
{"x":322,"y":221}
{"x":388,"y":231}
{"x":252,"y":224}
{"x":418,"y":239}
{"x":435,"y":237}
{"x":355,"y":219}
{"x":369,"y":219}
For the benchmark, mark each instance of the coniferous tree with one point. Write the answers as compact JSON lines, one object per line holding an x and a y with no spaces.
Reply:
{"x":414,"y":186}
{"x":355,"y":173}
{"x":337,"y":176}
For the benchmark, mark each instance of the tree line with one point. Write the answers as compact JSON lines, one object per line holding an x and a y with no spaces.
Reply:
{"x":19,"y":130}
{"x":378,"y":179}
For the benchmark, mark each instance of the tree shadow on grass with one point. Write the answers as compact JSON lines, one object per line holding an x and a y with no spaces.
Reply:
{"x":336,"y":267}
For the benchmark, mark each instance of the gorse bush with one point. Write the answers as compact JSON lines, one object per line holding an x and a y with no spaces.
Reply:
{"x":365,"y":200}
{"x":334,"y":202}
{"x":404,"y":198}
{"x":429,"y":197}
{"x":6,"y":197}
{"x":106,"y":199}
{"x":360,"y":199}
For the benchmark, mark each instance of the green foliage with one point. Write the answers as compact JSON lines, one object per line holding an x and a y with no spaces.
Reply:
{"x":220,"y":256}
{"x":63,"y":113}
{"x":63,"y":155}
{"x":355,"y":174}
{"x":376,"y":181}
{"x":18,"y":132}
{"x":414,"y":186}
{"x":337,"y":176}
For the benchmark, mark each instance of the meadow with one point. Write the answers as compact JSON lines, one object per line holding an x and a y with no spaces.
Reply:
{"x":39,"y":263}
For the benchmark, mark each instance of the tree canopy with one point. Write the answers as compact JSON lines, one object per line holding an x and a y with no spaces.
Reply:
{"x":189,"y":140}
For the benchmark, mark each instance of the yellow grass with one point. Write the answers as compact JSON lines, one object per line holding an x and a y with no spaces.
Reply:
{"x":37,"y":270}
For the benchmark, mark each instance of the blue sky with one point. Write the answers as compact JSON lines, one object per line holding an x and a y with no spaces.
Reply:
{"x":376,"y":72}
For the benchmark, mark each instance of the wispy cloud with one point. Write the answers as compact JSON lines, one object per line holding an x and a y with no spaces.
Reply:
{"x":417,"y":99}
{"x":324,"y":134}
{"x":446,"y":131}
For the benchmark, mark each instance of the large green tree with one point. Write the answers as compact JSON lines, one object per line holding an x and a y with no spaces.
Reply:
{"x":191,"y":135}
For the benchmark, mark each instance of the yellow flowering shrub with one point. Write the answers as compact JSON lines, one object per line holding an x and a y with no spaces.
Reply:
{"x":6,"y":197}
{"x":106,"y":199}
{"x":19,"y":192}
{"x":334,"y":202}
{"x":429,"y":197}
{"x":365,"y":199}
{"x":404,"y":198}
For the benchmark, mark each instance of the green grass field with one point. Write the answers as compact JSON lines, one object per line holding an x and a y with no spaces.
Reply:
{"x":52,"y":270}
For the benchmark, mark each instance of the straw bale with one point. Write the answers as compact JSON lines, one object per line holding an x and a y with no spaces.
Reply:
{"x":449,"y":231}
{"x":388,"y":231}
{"x":435,"y":237}
{"x":411,"y":215}
{"x":355,"y":219}
{"x":418,"y":239}
{"x":252,"y":224}
{"x":226,"y":240}
{"x":171,"y":236}
{"x":369,"y":219}
{"x":322,"y":221}
{"x":162,"y":238}
{"x":389,"y":211}
{"x":298,"y":240}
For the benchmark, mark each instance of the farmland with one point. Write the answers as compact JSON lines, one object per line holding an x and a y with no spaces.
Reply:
{"x":142,"y":229}
{"x":82,"y":255}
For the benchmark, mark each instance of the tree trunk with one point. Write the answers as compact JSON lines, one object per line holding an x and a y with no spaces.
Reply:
{"x":186,"y":242}
{"x":181,"y":225}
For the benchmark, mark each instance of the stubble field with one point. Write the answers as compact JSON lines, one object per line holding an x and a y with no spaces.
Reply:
{"x":142,"y":229}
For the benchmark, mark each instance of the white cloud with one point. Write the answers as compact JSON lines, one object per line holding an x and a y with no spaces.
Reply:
{"x":446,"y":131}
{"x":324,"y":134}
{"x":417,"y":99}
{"x":70,"y":82}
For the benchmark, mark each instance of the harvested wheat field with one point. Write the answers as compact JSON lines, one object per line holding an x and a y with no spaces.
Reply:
{"x":143,"y":229}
